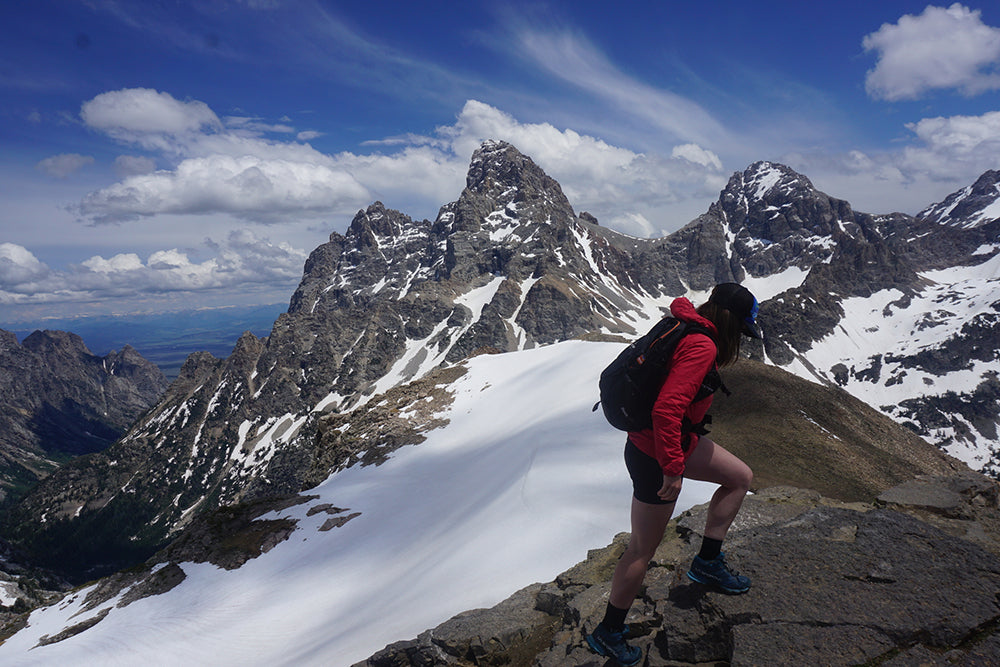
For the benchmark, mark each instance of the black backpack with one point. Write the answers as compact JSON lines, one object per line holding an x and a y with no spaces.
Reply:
{"x":630,"y":384}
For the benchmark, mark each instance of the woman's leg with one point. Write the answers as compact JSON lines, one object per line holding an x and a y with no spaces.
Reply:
{"x":648,"y":525}
{"x":710,"y":462}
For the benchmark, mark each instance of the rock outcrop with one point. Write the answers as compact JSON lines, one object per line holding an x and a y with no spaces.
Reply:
{"x":911,"y":578}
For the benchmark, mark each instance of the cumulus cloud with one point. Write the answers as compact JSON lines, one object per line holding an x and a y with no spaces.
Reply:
{"x":227,"y":166}
{"x":698,"y":155}
{"x":246,"y":187}
{"x":18,"y":266}
{"x":147,"y":117}
{"x":957,"y":144}
{"x":63,"y":165}
{"x":625,"y":189}
{"x":243,"y":261}
{"x":939,"y":49}
{"x":945,"y":155}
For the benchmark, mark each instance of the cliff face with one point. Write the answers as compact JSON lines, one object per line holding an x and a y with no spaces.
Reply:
{"x":910,"y":579}
{"x":59,"y":401}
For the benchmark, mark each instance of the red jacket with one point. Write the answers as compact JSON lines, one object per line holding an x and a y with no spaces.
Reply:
{"x":693,"y":358}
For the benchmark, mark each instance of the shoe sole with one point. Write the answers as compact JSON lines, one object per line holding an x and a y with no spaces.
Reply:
{"x":601,"y":651}
{"x":716,"y":586}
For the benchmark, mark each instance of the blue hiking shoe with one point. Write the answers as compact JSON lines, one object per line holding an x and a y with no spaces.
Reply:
{"x":717,"y":574}
{"x":612,"y":645}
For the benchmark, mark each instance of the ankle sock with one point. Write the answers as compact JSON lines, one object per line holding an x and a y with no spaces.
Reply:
{"x":710,"y":548}
{"x":614,"y":618}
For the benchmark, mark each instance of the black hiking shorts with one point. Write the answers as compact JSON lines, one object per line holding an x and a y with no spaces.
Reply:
{"x":646,"y":474}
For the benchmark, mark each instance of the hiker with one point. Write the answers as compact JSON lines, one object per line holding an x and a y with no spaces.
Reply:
{"x":658,"y":459}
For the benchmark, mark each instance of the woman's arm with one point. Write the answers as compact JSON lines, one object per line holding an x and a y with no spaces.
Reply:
{"x":693,"y":359}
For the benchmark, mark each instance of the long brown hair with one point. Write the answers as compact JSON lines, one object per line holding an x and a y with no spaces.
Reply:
{"x":730,"y":331}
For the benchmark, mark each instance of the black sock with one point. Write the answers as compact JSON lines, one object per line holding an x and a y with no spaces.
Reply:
{"x":614,"y":618}
{"x":710,"y":548}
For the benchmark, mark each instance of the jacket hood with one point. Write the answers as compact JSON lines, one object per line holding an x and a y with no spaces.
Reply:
{"x":683,"y":309}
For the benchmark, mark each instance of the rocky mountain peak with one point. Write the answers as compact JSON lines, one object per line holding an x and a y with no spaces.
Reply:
{"x":773,"y":180}
{"x":47,"y":342}
{"x":374,"y":226}
{"x":773,"y":202}
{"x":769,"y":219}
{"x":970,"y":207}
{"x":498,"y":168}
{"x":59,"y":399}
{"x":504,"y":189}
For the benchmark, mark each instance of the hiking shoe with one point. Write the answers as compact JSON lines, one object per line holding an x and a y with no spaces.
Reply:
{"x":612,"y":645}
{"x":717,"y":574}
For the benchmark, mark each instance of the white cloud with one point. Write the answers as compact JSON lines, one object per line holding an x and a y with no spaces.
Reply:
{"x":256,"y":125}
{"x":117,"y":264}
{"x":939,"y":49}
{"x":947,"y":155}
{"x":242,"y":262}
{"x":958,"y":147}
{"x":698,"y":155}
{"x":19,"y":266}
{"x":146,"y":116}
{"x":221,"y":169}
{"x":634,"y":192}
{"x":247,"y":187}
{"x":63,"y":165}
{"x":575,"y":60}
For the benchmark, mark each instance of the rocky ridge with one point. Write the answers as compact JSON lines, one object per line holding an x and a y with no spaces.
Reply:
{"x":834,"y":583}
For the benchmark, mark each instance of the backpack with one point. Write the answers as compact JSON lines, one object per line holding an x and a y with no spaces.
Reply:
{"x":630,"y":384}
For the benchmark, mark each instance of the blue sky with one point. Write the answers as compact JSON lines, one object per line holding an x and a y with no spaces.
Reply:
{"x":165,"y":155}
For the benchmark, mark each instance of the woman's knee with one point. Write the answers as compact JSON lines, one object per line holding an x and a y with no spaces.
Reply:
{"x":643,"y":550}
{"x":742,"y":477}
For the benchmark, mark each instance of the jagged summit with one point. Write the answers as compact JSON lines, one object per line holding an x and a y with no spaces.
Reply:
{"x":763,"y":177}
{"x":501,"y":172}
{"x":971,"y":207}
{"x":506,"y":195}
{"x":773,"y":203}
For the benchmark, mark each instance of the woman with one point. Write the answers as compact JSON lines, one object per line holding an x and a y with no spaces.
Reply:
{"x":658,"y":459}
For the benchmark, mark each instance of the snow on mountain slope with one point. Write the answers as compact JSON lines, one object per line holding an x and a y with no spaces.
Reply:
{"x":876,"y":351}
{"x":520,"y":484}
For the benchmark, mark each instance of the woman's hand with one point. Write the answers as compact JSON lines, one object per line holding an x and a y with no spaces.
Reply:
{"x":671,"y":488}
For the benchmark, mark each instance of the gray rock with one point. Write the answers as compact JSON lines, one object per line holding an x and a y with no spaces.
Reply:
{"x":833,"y":584}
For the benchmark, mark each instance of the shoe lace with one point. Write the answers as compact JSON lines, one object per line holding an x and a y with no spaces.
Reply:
{"x":726,"y":567}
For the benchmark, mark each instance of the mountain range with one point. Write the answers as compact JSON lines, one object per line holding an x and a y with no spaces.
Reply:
{"x":902,"y":312}
{"x":899,"y":311}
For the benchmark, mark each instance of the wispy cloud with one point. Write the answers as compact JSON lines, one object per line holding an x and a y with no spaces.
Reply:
{"x":64,"y":165}
{"x":573,"y":58}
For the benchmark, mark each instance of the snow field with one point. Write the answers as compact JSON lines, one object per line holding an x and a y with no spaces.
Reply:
{"x":523,"y":481}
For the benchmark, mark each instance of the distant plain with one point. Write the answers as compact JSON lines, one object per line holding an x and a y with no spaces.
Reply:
{"x":166,"y":339}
